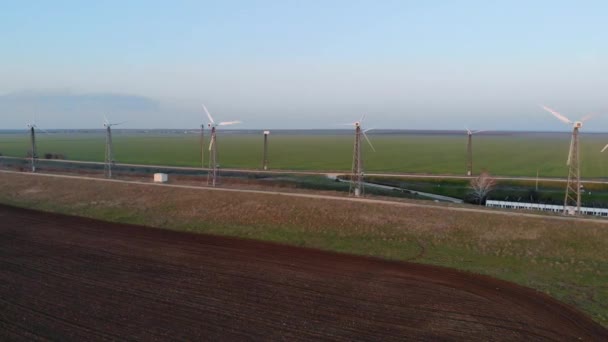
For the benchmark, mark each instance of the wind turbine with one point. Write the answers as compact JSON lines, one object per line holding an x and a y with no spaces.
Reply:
{"x":212,"y":175}
{"x":33,"y":152}
{"x":109,"y":159}
{"x":265,"y":157}
{"x":470,"y":151}
{"x":356,"y":183}
{"x":572,"y":198}
{"x":203,"y":145}
{"x":33,"y":148}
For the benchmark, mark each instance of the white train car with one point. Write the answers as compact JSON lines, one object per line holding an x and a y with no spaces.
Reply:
{"x":544,"y":207}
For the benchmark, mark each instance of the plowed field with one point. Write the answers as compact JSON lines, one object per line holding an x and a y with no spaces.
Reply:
{"x":68,"y":278}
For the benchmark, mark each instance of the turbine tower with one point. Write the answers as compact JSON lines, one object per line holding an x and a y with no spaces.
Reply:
{"x":33,"y":148}
{"x":572,"y":198}
{"x":109,"y":159}
{"x":470,"y":151}
{"x":265,"y":158}
{"x":212,"y":174}
{"x":356,"y":183}
{"x":203,"y":145}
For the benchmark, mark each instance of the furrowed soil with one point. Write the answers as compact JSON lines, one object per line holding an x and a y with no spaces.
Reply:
{"x":69,"y":278}
{"x":563,"y":258}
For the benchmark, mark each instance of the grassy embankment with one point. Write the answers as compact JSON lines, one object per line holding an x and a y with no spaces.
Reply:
{"x":508,"y":155}
{"x":566,"y":259}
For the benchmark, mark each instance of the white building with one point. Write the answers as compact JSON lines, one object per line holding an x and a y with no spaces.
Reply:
{"x":161,"y":178}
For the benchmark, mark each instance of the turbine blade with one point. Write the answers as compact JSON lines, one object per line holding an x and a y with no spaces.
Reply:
{"x":605,"y":147}
{"x":208,"y":115}
{"x":587,"y":117}
{"x":105,"y":120}
{"x":468,"y":131}
{"x":559,"y":116}
{"x":368,"y":141}
{"x":211,"y":143}
{"x":226,"y":123}
{"x":483,"y":130}
{"x":118,"y":123}
{"x":367,"y":130}
{"x":362,"y":118}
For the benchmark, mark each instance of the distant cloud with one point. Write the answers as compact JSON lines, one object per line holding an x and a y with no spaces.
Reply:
{"x":73,"y":109}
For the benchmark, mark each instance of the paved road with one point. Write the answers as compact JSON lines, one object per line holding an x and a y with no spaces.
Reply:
{"x":325,"y":197}
{"x":318,"y":173}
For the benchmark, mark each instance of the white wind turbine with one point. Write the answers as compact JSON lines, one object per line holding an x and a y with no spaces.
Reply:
{"x":212,"y":175}
{"x":572,"y":199}
{"x":356,"y":184}
{"x":470,"y":150}
{"x":109,"y":158}
{"x":33,"y":152}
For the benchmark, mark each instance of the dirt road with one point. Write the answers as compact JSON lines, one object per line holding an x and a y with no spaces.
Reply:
{"x":68,"y":278}
{"x":312,"y":172}
{"x":418,"y":204}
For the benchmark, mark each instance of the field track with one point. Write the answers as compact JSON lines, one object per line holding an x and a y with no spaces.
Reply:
{"x":68,"y":278}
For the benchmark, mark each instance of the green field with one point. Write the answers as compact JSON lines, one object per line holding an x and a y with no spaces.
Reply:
{"x":509,"y":155}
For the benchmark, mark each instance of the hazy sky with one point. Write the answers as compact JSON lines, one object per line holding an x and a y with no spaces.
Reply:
{"x":310,"y":64}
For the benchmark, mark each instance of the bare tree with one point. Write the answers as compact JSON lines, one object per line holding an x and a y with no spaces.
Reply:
{"x":481,"y":187}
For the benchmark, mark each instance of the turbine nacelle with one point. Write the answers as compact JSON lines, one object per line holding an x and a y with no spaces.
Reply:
{"x":578,"y":124}
{"x":356,"y":124}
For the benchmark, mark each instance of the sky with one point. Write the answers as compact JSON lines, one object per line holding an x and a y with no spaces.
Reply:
{"x":304,"y":64}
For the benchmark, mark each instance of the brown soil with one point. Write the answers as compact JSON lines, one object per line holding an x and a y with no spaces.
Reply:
{"x":68,"y":278}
